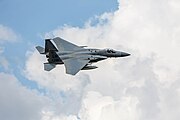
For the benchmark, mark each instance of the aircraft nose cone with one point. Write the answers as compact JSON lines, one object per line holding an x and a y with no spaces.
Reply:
{"x":123,"y":54}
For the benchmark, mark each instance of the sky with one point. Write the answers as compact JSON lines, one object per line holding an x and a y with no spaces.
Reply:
{"x":145,"y":85}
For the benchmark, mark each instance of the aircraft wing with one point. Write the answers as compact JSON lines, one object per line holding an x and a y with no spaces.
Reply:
{"x":74,"y":65}
{"x":64,"y":45}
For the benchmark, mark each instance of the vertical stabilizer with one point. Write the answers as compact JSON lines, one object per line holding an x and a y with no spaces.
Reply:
{"x":49,"y":46}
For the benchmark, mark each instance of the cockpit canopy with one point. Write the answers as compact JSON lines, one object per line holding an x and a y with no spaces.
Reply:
{"x":110,"y":51}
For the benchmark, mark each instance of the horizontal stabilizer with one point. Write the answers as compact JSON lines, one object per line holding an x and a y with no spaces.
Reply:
{"x":48,"y":66}
{"x":40,"y":49}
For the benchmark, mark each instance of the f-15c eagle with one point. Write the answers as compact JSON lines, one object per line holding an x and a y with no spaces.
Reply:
{"x":75,"y":58}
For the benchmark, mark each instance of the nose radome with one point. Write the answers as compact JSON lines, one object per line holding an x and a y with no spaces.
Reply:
{"x":123,"y":54}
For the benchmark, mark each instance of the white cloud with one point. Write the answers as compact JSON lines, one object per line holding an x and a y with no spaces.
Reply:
{"x":142,"y":86}
{"x":20,"y":103}
{"x":17,"y":102}
{"x":7,"y":34}
{"x":98,"y":107}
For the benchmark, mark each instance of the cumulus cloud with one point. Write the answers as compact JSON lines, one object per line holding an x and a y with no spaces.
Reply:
{"x":17,"y":102}
{"x":96,"y":107}
{"x":142,"y":86}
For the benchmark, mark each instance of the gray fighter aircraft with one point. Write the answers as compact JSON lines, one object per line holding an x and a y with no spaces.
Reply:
{"x":75,"y":58}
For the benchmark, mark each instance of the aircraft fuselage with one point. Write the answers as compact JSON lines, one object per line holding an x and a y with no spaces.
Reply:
{"x":94,"y":55}
{"x":75,"y":58}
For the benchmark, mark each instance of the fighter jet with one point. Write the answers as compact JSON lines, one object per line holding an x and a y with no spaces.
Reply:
{"x":74,"y":57}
